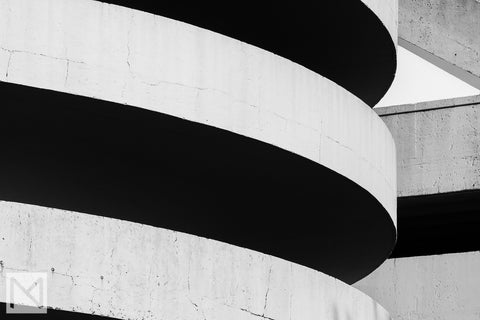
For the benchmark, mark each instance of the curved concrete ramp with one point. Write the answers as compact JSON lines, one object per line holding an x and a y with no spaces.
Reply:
{"x":122,"y":114}
{"x":163,"y":171}
{"x":332,"y":38}
{"x":126,"y":270}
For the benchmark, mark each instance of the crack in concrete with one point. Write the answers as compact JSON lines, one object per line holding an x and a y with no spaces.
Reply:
{"x":41,"y":55}
{"x":67,"y":275}
{"x":339,"y":143}
{"x":129,"y":34}
{"x":195,"y":305}
{"x":256,"y":314}
{"x":175,"y":244}
{"x":160,"y":82}
{"x":197,"y":308}
{"x":66,"y":73}
{"x":248,"y":311}
{"x":8,"y":64}
{"x":129,"y":65}
{"x":111,"y":254}
{"x":13,"y":51}
{"x":268,"y":290}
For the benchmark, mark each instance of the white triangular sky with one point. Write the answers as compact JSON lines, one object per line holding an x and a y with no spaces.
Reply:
{"x":418,"y":80}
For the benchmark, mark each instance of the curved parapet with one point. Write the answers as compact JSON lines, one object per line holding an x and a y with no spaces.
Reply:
{"x":160,"y":122}
{"x":125,"y":270}
{"x":343,"y":41}
{"x":185,"y":176}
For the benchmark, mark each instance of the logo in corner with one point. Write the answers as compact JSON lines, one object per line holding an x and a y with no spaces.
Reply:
{"x":26,"y":292}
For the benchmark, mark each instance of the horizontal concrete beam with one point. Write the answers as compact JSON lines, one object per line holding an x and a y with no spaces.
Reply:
{"x":125,"y":270}
{"x":438,"y":167}
{"x":440,"y":287}
{"x":438,"y":145}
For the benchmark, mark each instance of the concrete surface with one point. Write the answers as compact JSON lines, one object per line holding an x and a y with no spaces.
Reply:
{"x":129,"y":57}
{"x":448,"y":30}
{"x":126,"y":270}
{"x":307,"y":38}
{"x":131,"y":271}
{"x":426,"y":288}
{"x":147,"y":167}
{"x":438,"y":145}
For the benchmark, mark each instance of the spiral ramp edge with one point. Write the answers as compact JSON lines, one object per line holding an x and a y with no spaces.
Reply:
{"x":214,"y":92}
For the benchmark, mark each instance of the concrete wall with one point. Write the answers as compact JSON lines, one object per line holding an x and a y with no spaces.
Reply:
{"x":130,"y":57}
{"x":438,"y":145}
{"x":430,"y":287}
{"x":127,"y":270}
{"x":448,"y":30}
{"x":438,"y":150}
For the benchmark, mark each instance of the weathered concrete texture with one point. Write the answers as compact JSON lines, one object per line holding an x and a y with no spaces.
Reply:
{"x":368,"y":72}
{"x":130,"y":57}
{"x":447,"y":29}
{"x":131,"y":271}
{"x":438,"y":145}
{"x":430,"y":287}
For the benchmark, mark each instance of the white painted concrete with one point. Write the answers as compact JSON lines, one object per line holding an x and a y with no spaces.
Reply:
{"x":130,"y":57}
{"x":438,"y":145}
{"x":131,"y":271}
{"x":440,"y":287}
